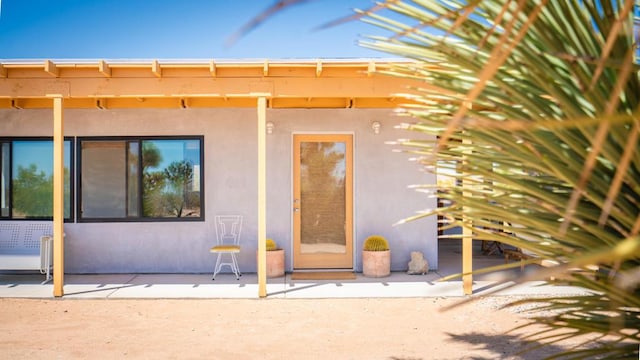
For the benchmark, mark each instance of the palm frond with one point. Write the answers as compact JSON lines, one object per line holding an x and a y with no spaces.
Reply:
{"x":535,"y":105}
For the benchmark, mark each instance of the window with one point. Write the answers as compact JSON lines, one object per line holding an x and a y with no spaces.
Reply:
{"x":5,"y":175}
{"x":135,"y":179}
{"x":26,"y":179}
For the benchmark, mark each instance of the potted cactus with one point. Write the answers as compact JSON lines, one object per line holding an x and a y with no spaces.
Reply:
{"x":275,"y":260}
{"x":376,"y":257}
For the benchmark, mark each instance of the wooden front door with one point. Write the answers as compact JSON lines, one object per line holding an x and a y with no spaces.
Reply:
{"x":322,"y":201}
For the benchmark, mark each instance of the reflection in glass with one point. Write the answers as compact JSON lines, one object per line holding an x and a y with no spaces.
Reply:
{"x":133,"y":188}
{"x":169,"y":168}
{"x":32,"y":179}
{"x":322,"y":191}
{"x":140,"y":178}
{"x":4,"y":180}
{"x":103,"y":179}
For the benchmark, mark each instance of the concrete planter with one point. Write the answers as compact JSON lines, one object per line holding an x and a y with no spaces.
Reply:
{"x":376,"y":263}
{"x":275,"y":263}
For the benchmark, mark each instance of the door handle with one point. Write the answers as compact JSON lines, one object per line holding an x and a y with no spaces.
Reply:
{"x":296,"y":209}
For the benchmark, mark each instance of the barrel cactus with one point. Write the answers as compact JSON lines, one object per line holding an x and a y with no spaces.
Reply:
{"x":271,"y":245}
{"x":376,"y":243}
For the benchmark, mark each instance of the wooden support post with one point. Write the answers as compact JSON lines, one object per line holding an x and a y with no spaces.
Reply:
{"x":467,"y":237}
{"x":58,"y":197}
{"x":467,"y":261}
{"x":262,"y":198}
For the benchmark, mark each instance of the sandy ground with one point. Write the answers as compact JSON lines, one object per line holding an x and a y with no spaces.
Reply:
{"x":414,"y":328}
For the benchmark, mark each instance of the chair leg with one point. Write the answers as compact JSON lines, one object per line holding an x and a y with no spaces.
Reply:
{"x":216,"y":268}
{"x":236,"y":267}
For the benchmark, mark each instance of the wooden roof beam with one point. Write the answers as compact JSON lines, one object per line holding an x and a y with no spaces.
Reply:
{"x":51,"y":68}
{"x":104,"y":68}
{"x":212,"y":68}
{"x":156,"y":69}
{"x":265,"y":68}
{"x":3,"y":71}
{"x":318,"y":68}
{"x":136,"y":84}
{"x":371,"y":68}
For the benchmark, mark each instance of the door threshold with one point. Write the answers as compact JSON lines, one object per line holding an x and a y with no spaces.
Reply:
{"x":323,"y":275}
{"x":322,"y":270}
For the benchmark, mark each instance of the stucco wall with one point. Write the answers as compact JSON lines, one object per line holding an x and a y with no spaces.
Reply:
{"x":381,"y":196}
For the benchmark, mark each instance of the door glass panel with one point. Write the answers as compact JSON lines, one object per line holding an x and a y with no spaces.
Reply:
{"x":322,"y":197}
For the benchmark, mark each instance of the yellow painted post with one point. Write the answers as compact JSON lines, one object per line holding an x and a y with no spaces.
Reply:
{"x":467,"y":238}
{"x":467,"y":262}
{"x":262,"y":198}
{"x":58,"y":197}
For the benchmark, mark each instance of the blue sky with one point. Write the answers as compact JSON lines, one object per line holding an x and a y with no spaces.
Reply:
{"x":177,"y":29}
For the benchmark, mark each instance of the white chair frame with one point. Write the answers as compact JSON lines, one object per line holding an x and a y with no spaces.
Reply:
{"x":228,"y":229}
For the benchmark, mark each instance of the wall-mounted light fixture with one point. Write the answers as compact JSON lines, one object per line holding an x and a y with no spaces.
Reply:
{"x":375,"y":126}
{"x":270,"y":127}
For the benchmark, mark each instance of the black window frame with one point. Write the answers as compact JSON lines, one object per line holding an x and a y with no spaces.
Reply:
{"x":140,"y":218}
{"x":10,"y":140}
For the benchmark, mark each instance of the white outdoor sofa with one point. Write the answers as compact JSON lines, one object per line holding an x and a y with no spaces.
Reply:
{"x":27,"y":245}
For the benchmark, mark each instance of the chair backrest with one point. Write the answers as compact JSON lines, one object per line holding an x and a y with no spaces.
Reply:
{"x":228,"y":229}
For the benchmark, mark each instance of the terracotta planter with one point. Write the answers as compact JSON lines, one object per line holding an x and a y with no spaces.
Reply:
{"x":275,"y":263}
{"x":376,"y":263}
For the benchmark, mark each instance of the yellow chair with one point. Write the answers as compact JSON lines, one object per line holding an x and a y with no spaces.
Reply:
{"x":228,"y":243}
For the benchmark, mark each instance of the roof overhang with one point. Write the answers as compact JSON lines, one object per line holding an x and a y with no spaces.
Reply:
{"x":103,"y":84}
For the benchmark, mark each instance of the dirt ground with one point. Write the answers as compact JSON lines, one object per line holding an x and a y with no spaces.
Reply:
{"x":414,"y":328}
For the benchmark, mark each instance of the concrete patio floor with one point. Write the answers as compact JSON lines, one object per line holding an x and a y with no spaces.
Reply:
{"x":164,"y":286}
{"x":399,"y":284}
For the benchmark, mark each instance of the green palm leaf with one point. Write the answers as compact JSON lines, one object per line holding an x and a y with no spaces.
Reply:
{"x":536,"y":106}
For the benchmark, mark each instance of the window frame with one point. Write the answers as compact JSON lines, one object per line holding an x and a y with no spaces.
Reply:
{"x":72,"y":144}
{"x":140,"y":218}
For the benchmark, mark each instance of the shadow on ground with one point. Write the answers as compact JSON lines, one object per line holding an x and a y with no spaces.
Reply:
{"x":507,"y":346}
